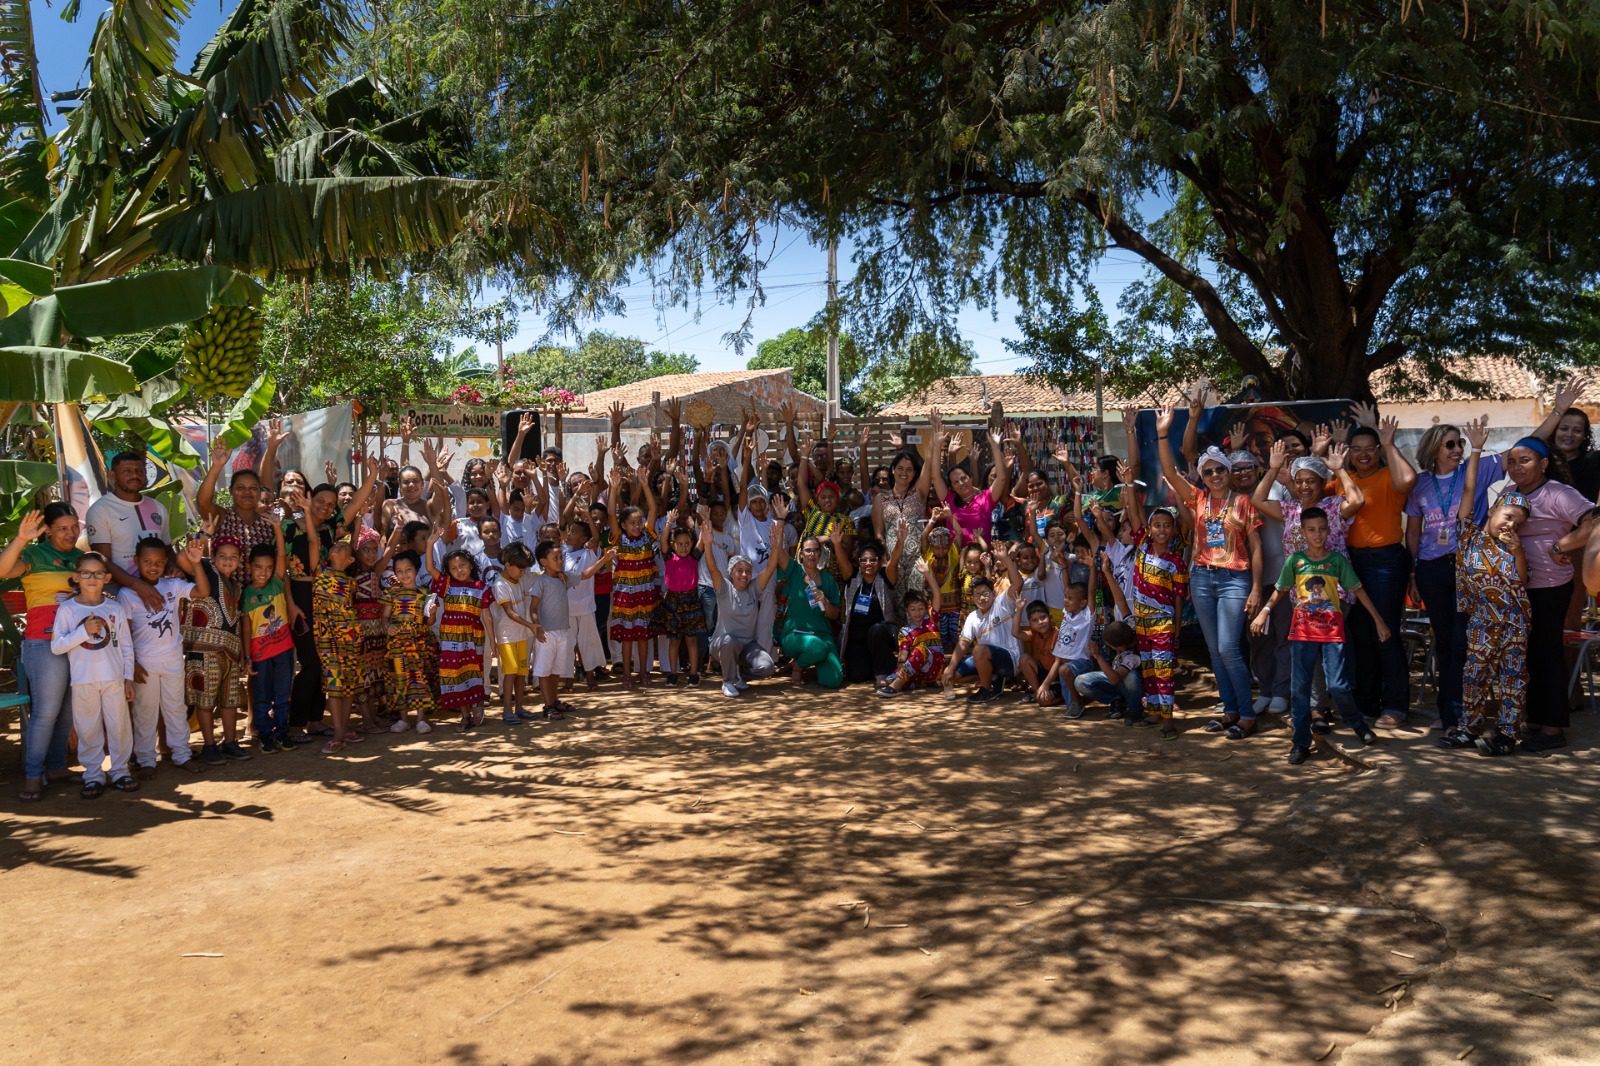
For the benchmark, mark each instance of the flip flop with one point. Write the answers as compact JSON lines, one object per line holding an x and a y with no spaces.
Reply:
{"x":333,"y":747}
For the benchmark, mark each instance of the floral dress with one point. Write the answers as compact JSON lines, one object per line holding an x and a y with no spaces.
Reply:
{"x":1492,"y":596}
{"x":914,"y":510}
{"x":635,"y":588}
{"x":409,"y":651}
{"x":461,"y":637}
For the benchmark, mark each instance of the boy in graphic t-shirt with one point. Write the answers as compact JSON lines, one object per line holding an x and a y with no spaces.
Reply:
{"x":159,"y":703}
{"x":269,"y":618}
{"x":1315,"y":577}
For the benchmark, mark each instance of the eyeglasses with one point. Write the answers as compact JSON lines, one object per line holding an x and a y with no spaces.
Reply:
{"x":1451,"y":444}
{"x":98,"y":575}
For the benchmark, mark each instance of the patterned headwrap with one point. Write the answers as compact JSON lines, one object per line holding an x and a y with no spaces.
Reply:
{"x":830,"y":485}
{"x":224,"y":540}
{"x":1214,"y":454}
{"x":1313,"y":464}
{"x":366,"y":535}
{"x":1514,"y":498}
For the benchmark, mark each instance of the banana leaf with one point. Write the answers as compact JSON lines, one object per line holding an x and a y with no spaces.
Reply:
{"x":19,"y":475}
{"x":36,"y":374}
{"x":37,"y":280}
{"x":38,"y":323}
{"x":159,"y":437}
{"x":141,"y":302}
{"x":150,"y":399}
{"x":250,"y":409}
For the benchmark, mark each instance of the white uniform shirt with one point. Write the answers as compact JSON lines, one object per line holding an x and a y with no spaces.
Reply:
{"x":157,"y":640}
{"x":122,"y":525}
{"x":994,"y":628}
{"x":91,"y":660}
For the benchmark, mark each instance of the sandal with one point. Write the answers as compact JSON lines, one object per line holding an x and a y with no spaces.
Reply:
{"x":1320,"y":723}
{"x":333,"y":747}
{"x":353,"y":736}
{"x":32,"y":789}
{"x":93,"y":790}
{"x":1240,"y":730}
{"x":1169,"y":732}
{"x":125,"y":784}
{"x":1223,"y":724}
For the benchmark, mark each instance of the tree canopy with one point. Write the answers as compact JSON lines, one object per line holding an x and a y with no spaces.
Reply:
{"x":600,"y":361}
{"x":1317,"y":190}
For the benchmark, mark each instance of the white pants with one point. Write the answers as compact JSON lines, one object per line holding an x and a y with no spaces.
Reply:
{"x":767,"y":617}
{"x":158,"y":704}
{"x":553,"y":655}
{"x":586,"y":636}
{"x":100,"y":718}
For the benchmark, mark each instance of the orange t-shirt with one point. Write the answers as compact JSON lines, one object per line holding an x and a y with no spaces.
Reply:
{"x":1222,"y":531}
{"x":1377,"y":524}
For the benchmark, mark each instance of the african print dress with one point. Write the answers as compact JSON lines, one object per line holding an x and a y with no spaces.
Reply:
{"x":213,"y":671}
{"x":922,"y":653}
{"x":1492,"y":596}
{"x":374,"y":639}
{"x":1160,"y":582}
{"x":635,"y":588}
{"x":409,"y":651}
{"x":461,"y":637}
{"x":337,"y":632}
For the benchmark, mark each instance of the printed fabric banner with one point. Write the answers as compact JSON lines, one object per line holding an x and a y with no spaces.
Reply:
{"x":313,"y":437}
{"x":1258,"y":423}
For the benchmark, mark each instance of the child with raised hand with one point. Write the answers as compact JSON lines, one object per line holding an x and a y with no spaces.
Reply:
{"x":214,"y":660}
{"x":337,"y":632}
{"x":463,"y":600}
{"x":1308,"y":477}
{"x":1074,"y":638}
{"x":408,"y":616}
{"x":158,"y":698}
{"x":635,"y":578}
{"x":1492,"y":591}
{"x":942,"y":566}
{"x":552,"y":627}
{"x":1160,"y":582}
{"x":269,"y":615}
{"x":1315,"y":578}
{"x":683,"y":615}
{"x":513,"y":633}
{"x":1036,"y":634}
{"x":738,"y":643}
{"x":91,"y":630}
{"x":583,"y":566}
{"x":920,"y":651}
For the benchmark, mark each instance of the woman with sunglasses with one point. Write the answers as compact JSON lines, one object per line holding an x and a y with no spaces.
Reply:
{"x":1224,"y":572}
{"x":1431,"y":540}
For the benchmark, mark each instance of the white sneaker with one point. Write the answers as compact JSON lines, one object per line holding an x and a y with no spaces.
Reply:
{"x":1260,"y":704}
{"x":423,"y":726}
{"x":730,"y":689}
{"x":400,"y":726}
{"x":1277,"y":705}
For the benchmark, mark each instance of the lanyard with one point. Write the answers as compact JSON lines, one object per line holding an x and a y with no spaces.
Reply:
{"x":1455,"y":485}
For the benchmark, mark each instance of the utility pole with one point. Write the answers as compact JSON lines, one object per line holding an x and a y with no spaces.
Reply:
{"x":499,"y":348}
{"x":834,"y":410}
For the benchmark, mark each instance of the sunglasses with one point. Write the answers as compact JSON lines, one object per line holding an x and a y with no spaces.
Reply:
{"x":1451,"y":444}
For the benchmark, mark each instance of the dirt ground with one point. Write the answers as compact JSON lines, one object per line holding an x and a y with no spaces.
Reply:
{"x":808,"y":877}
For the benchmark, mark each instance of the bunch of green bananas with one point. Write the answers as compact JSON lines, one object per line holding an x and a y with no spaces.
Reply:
{"x":221,"y":350}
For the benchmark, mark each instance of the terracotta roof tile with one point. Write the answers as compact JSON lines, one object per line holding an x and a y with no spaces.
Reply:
{"x":1501,"y":377}
{"x":729,"y":392}
{"x":965,"y":396}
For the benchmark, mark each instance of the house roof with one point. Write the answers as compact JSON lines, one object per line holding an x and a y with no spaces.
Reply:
{"x":1497,"y":377}
{"x":1019,"y":394}
{"x":729,"y":392}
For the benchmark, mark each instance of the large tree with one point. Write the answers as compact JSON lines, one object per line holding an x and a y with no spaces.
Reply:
{"x":600,"y":361}
{"x":1317,"y":189}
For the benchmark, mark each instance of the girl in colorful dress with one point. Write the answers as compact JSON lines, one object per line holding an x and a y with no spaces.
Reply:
{"x":337,"y":631}
{"x":463,"y":599}
{"x":683,"y":618}
{"x":635,"y":578}
{"x":1492,"y":590}
{"x":371,"y":556}
{"x":407,"y":613}
{"x":213,"y":661}
{"x":921,"y":652}
{"x":1160,"y":582}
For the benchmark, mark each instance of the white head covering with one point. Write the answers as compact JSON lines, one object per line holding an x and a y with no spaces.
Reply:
{"x":1313,"y":464}
{"x":1214,"y":454}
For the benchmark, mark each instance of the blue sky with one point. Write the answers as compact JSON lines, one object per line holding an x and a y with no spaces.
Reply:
{"x":795,"y":281}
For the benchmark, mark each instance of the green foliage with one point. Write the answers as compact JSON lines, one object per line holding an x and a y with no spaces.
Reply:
{"x":805,"y":351}
{"x":1316,"y":190}
{"x":866,"y":384}
{"x":600,"y":361}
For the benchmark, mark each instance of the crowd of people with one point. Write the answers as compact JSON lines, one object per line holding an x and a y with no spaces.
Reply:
{"x":322,"y":613}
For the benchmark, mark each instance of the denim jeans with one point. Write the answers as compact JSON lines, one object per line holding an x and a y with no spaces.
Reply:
{"x":270,"y":686}
{"x":50,"y":715}
{"x":708,"y":604}
{"x":1129,"y":692}
{"x":1383,"y":683}
{"x":1305,"y":656}
{"x":1219,"y":597}
{"x":1436,"y":582}
{"x":1067,"y":678}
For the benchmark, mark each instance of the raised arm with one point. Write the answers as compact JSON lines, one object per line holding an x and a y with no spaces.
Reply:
{"x":280,"y":560}
{"x":802,"y":478}
{"x":28,"y":530}
{"x":1354,"y":498}
{"x":1191,"y":431}
{"x":1402,"y":475}
{"x":997,"y":456}
{"x":268,"y":471}
{"x":1260,"y":498}
{"x":1181,"y":487}
{"x":891,"y":569}
{"x":207,"y":495}
{"x":1566,"y":395}
{"x":1477,"y":434}
{"x":1130,"y":421}
{"x":934,"y":467}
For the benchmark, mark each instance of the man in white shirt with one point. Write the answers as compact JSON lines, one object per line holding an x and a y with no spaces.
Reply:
{"x":120,"y":519}
{"x":988,"y":647}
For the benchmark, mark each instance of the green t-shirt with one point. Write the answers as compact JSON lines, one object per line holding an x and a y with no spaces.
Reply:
{"x":802,"y":616}
{"x":268,"y":611}
{"x":1315,"y":585}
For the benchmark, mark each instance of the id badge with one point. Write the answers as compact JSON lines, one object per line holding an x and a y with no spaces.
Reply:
{"x":1217,"y":532}
{"x":1443,"y":539}
{"x":863,"y":603}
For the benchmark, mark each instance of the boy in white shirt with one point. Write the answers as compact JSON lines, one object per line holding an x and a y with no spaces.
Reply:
{"x":92,"y":632}
{"x":158,"y":695}
{"x":1071,"y":652}
{"x":988,"y":647}
{"x":581,"y":563}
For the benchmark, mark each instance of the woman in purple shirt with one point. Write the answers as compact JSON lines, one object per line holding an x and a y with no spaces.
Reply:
{"x":971,"y":511}
{"x":1554,"y":509}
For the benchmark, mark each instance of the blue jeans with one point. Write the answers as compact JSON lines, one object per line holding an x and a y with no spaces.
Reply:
{"x":1304,"y":655}
{"x":50,"y":714}
{"x":708,"y":604}
{"x":1066,"y":677}
{"x":1383,"y":683}
{"x":1128,"y":693}
{"x":1436,"y":582}
{"x":1219,"y":597}
{"x":270,"y":686}
{"x":1003,"y":669}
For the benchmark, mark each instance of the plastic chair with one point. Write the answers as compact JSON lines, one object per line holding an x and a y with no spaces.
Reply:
{"x":21,"y":700}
